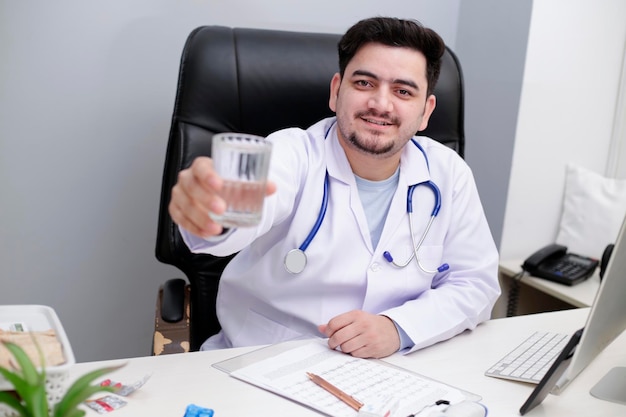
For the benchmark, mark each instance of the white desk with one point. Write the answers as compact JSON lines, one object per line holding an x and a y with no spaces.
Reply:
{"x":178,"y":380}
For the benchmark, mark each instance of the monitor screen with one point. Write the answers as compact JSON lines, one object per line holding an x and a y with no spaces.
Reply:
{"x":606,"y":321}
{"x":607,"y":318}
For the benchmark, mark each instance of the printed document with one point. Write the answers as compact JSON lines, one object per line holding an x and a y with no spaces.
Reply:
{"x":364,"y":379}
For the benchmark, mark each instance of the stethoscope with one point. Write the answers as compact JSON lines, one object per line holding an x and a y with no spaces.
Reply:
{"x":295,"y":260}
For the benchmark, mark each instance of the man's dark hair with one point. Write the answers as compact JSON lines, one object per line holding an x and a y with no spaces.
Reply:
{"x":394,"y":32}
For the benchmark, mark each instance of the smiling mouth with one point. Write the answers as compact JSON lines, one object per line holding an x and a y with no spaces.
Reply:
{"x":378,"y":122}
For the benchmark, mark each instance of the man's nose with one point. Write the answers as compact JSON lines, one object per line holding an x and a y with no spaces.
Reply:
{"x":381,"y":100}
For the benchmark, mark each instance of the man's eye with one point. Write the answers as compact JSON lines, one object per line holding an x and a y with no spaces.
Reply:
{"x":404,"y":92}
{"x":362,"y":83}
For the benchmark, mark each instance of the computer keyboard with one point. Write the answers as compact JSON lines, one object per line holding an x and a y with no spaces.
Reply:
{"x":530,"y":361}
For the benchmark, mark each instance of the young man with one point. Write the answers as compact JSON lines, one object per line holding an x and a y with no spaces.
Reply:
{"x":443,"y":279}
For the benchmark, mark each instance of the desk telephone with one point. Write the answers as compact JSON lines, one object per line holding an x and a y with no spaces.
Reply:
{"x":553,"y":263}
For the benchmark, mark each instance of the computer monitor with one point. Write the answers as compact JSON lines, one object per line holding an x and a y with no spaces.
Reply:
{"x":606,"y":321}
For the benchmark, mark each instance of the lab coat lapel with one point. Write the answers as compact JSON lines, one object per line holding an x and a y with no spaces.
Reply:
{"x":413,"y":170}
{"x":339,"y":169}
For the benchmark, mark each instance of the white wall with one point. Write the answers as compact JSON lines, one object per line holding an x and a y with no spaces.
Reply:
{"x":567,"y":110}
{"x":616,"y":165}
{"x":86,"y":95}
{"x":491,"y":45}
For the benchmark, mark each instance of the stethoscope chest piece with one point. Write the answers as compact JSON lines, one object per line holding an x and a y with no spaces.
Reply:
{"x":295,"y":261}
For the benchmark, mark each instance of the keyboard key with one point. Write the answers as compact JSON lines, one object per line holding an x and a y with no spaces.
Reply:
{"x":530,"y":361}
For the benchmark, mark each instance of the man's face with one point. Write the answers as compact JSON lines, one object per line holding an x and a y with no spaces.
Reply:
{"x":381,"y":101}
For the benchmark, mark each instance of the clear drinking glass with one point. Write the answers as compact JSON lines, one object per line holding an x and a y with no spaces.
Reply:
{"x":242,"y":160}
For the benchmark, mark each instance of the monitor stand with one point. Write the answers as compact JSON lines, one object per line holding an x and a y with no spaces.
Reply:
{"x":612,"y":387}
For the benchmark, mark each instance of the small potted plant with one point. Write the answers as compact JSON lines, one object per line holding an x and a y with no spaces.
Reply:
{"x":30,"y":398}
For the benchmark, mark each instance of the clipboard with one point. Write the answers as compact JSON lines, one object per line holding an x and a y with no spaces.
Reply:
{"x":281,"y":369}
{"x":237,"y":362}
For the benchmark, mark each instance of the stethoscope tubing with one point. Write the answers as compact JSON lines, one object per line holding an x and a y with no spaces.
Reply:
{"x":295,"y":260}
{"x":433,"y":214}
{"x":320,"y":216}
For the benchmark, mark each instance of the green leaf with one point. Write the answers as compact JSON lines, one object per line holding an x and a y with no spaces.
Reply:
{"x":38,"y":401}
{"x":11,"y":401}
{"x":28,"y":382}
{"x":27,"y":368}
{"x":33,"y":399}
{"x":19,"y":384}
{"x":75,"y":413}
{"x":28,"y":393}
{"x":81,"y":390}
{"x":69,"y":406}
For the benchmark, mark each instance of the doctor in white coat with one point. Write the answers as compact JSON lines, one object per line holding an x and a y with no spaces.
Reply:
{"x":443,"y":279}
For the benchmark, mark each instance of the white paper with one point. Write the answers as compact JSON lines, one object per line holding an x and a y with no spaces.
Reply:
{"x":285,"y":374}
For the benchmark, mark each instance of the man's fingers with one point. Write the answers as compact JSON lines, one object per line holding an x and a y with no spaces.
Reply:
{"x":362,"y":334}
{"x":194,"y":196}
{"x":270,"y":188}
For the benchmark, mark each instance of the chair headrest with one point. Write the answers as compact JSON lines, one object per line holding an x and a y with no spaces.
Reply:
{"x":259,"y":81}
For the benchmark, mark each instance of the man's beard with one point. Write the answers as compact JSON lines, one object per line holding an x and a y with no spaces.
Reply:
{"x":358,"y":144}
{"x":362,"y":146}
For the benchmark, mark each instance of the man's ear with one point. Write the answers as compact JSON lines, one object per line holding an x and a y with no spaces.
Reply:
{"x":334,"y":92}
{"x":431,"y":103}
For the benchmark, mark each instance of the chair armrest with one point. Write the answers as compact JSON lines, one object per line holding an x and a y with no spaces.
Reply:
{"x":171,"y":324}
{"x":173,"y":300}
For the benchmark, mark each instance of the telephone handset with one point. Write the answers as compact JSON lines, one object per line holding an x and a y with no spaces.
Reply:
{"x":553,"y":263}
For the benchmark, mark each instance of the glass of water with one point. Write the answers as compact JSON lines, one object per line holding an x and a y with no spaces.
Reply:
{"x":242,"y":160}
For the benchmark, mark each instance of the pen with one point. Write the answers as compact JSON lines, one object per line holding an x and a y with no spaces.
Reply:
{"x":348,"y":399}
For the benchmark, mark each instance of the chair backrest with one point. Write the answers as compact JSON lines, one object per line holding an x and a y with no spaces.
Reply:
{"x":258,"y":81}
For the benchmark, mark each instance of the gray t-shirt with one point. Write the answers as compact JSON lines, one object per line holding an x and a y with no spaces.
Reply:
{"x":376,"y":198}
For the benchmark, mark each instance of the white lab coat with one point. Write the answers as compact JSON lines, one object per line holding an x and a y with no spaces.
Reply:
{"x":260,"y":302}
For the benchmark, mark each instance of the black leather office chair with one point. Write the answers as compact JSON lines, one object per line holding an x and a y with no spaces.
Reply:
{"x":253,"y":81}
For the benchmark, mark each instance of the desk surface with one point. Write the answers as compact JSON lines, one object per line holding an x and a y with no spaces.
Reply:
{"x":181,"y":379}
{"x":579,"y":295}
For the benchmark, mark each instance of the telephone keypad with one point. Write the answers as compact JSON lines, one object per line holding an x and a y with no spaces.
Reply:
{"x":570,"y":269}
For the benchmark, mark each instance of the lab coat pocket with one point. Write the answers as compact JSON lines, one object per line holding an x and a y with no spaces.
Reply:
{"x":258,"y":329}
{"x":430,"y":257}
